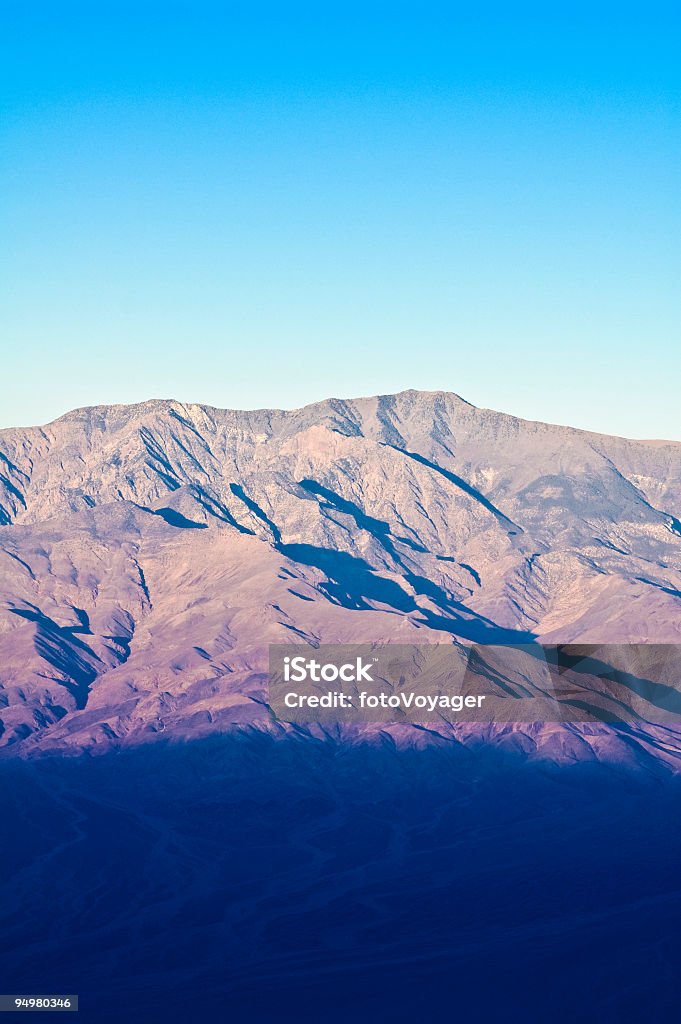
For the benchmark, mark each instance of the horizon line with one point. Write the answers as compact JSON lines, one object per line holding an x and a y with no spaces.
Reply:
{"x":325,"y":401}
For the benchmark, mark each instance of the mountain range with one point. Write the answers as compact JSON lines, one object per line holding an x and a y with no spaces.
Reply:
{"x":150,"y":553}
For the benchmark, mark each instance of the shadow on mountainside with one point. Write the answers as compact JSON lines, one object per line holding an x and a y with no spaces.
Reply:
{"x":176,"y":519}
{"x":65,"y":652}
{"x":508,"y":524}
{"x":259,"y":513}
{"x":378,"y":528}
{"x":245,"y":878}
{"x":352,"y":582}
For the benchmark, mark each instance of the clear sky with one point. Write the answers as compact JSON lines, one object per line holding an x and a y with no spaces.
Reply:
{"x":265,"y":204}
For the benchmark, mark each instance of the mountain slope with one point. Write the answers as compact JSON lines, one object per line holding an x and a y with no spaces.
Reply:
{"x":150,"y":553}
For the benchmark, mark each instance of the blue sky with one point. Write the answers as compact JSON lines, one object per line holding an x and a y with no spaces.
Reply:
{"x":268,"y":204}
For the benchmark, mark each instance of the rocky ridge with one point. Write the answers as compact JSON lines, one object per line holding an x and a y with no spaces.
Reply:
{"x":150,"y":553}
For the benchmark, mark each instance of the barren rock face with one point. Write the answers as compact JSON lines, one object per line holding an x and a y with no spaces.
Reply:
{"x":150,"y":553}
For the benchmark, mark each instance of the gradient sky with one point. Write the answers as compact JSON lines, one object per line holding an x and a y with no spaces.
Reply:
{"x":267,"y":204}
